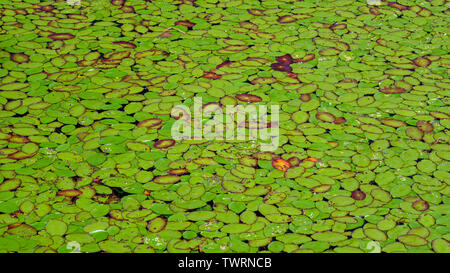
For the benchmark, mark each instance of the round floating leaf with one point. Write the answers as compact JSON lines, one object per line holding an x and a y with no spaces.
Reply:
{"x":96,"y":159}
{"x":412,"y":240}
{"x":156,"y":225}
{"x":440,"y":246}
{"x":166,"y":179}
{"x":235,"y":228}
{"x":375,"y":234}
{"x":9,"y":185}
{"x":56,"y":227}
{"x":114,"y":247}
{"x":329,"y":236}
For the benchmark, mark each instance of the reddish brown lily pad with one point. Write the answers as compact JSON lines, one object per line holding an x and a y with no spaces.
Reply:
{"x":358,"y":195}
{"x":425,"y":126}
{"x":116,"y":56}
{"x":19,"y":58}
{"x":422,"y":61}
{"x":164,"y":143}
{"x":398,"y":6}
{"x":281,"y":67}
{"x":118,"y":2}
{"x":286,"y":19}
{"x":338,"y":26}
{"x":392,"y":90}
{"x":61,"y":36}
{"x":374,"y":11}
{"x":225,"y":63}
{"x":256,"y":12}
{"x":21,"y":11}
{"x":127,"y":9}
{"x":285,"y":59}
{"x":340,"y":120}
{"x":166,"y":34}
{"x":305,"y":97}
{"x":292,"y":75}
{"x":149,"y":123}
{"x":393,"y":123}
{"x":306,"y":58}
{"x":211,"y":75}
{"x":248,"y":98}
{"x":381,"y":42}
{"x":294,"y":161}
{"x":48,"y":8}
{"x":187,"y":24}
{"x":125,"y":44}
{"x":421,"y":205}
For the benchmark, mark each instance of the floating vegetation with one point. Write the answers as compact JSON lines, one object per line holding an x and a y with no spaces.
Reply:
{"x":88,"y":162}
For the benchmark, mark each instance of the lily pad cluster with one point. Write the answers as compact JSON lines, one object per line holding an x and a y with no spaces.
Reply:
{"x":88,"y":164}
